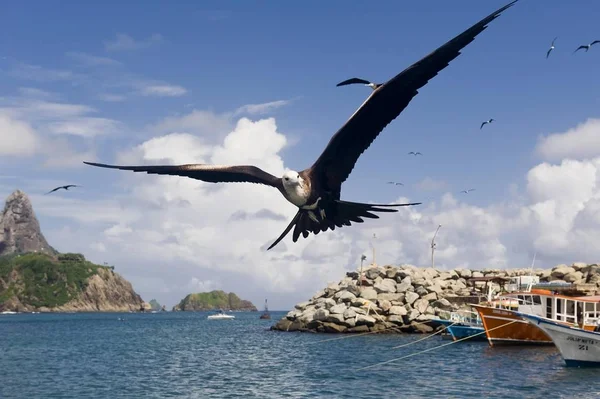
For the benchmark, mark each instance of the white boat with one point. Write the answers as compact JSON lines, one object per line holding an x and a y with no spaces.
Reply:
{"x":578,"y":347}
{"x":220,"y":316}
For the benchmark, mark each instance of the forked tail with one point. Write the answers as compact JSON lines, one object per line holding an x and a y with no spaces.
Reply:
{"x":337,"y":213}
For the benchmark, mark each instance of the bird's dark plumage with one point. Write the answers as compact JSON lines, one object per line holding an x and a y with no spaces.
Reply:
{"x":207,"y":173}
{"x":352,"y":81}
{"x":386,"y":103}
{"x":323,"y":209}
{"x":62,"y":187}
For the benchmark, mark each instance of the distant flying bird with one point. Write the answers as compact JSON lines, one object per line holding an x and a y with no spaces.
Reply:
{"x":359,"y":80}
{"x":397,"y":184}
{"x":551,"y":47}
{"x":414,"y":153}
{"x":586,"y":46}
{"x":63,"y":187}
{"x":316,"y":190}
{"x":468,"y":191}
{"x":486,"y":122}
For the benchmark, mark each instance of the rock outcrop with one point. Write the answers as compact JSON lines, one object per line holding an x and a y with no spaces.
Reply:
{"x":38,"y":282}
{"x":405,"y":298}
{"x":214,"y":300}
{"x":20,"y":229}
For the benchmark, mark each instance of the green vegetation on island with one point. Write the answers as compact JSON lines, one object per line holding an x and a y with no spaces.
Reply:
{"x":39,"y":280}
{"x":154,"y":305}
{"x":214,"y":300}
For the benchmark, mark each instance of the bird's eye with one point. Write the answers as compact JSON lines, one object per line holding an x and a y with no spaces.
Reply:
{"x":286,"y":178}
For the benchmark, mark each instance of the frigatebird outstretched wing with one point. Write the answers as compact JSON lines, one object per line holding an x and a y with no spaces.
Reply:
{"x":352,"y":81}
{"x":384,"y":105}
{"x":207,"y":173}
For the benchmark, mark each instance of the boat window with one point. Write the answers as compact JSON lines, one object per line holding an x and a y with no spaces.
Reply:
{"x":521,"y":299}
{"x":537,"y":300}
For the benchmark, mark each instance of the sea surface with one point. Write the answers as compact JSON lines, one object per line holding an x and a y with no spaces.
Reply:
{"x":184,"y":355}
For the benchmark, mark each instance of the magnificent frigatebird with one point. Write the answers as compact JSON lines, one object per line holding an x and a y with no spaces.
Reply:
{"x":63,"y":187}
{"x":551,"y":47}
{"x":316,"y":190}
{"x":414,"y":153}
{"x":486,"y":122}
{"x":586,"y":46}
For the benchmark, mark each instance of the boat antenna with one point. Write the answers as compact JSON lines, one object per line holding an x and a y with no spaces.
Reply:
{"x":531,"y":273}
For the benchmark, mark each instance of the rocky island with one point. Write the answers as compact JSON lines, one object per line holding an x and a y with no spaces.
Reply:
{"x":214,"y":300}
{"x":36,"y":277}
{"x":397,"y":299}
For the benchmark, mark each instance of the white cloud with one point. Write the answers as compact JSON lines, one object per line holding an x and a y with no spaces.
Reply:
{"x":188,"y":233}
{"x":582,"y":141}
{"x":260,"y":109}
{"x":33,"y":92}
{"x":41,"y":74}
{"x":85,"y":126}
{"x":123,"y":42}
{"x":16,"y":137}
{"x":162,"y":90}
{"x":92,"y":60}
{"x":429,"y":184}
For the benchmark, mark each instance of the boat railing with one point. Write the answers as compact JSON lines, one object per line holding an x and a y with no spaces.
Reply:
{"x":466,"y":317}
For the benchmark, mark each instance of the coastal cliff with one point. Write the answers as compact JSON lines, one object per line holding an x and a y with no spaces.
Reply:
{"x":36,"y":277}
{"x":214,"y":300}
{"x":405,"y":298}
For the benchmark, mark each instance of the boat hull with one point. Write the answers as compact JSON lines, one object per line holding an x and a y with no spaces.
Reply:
{"x":459,"y":330}
{"x":506,"y":327}
{"x":578,"y":347}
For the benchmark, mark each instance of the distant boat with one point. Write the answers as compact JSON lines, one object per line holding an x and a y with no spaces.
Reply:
{"x":266,"y":314}
{"x":8,"y":312}
{"x":578,"y":347}
{"x":220,"y":316}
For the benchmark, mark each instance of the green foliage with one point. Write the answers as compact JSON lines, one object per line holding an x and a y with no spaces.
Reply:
{"x":155,"y":305}
{"x":213,"y":300}
{"x":39,"y":280}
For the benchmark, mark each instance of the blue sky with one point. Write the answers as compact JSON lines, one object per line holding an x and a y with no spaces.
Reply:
{"x":219,"y":56}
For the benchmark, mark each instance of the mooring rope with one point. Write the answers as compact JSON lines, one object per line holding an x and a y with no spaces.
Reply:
{"x":434,"y":348}
{"x":427,"y":337}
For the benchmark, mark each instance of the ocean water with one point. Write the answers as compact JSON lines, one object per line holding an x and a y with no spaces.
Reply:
{"x":184,"y":355}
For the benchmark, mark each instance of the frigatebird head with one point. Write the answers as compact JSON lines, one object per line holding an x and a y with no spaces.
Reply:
{"x":292,"y":178}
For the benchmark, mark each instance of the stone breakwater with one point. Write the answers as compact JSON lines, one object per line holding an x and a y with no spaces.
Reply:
{"x":405,"y":298}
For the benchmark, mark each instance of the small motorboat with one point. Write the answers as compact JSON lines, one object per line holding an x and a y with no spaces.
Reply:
{"x":220,"y":316}
{"x":265,"y":315}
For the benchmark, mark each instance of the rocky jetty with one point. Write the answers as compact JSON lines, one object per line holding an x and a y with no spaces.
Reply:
{"x":19,"y":228}
{"x":405,"y":298}
{"x":214,"y":300}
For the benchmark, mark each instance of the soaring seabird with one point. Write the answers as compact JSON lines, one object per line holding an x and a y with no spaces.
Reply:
{"x":397,"y":184}
{"x":586,"y":46}
{"x":414,"y":153}
{"x":359,"y":80}
{"x":63,"y":187}
{"x":316,"y":190}
{"x":551,"y":47}
{"x":486,"y":122}
{"x":468,"y":191}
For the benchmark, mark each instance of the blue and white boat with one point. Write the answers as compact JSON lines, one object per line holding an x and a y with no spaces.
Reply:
{"x":578,"y":347}
{"x":464,"y":324}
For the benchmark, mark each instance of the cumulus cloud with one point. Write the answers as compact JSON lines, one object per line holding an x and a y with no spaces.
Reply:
{"x":17,"y":137}
{"x":582,"y":141}
{"x":123,"y":42}
{"x":186,"y":232}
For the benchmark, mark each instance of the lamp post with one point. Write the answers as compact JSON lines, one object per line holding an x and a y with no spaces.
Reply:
{"x":373,"y":247}
{"x":433,"y":244}
{"x":363,"y":257}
